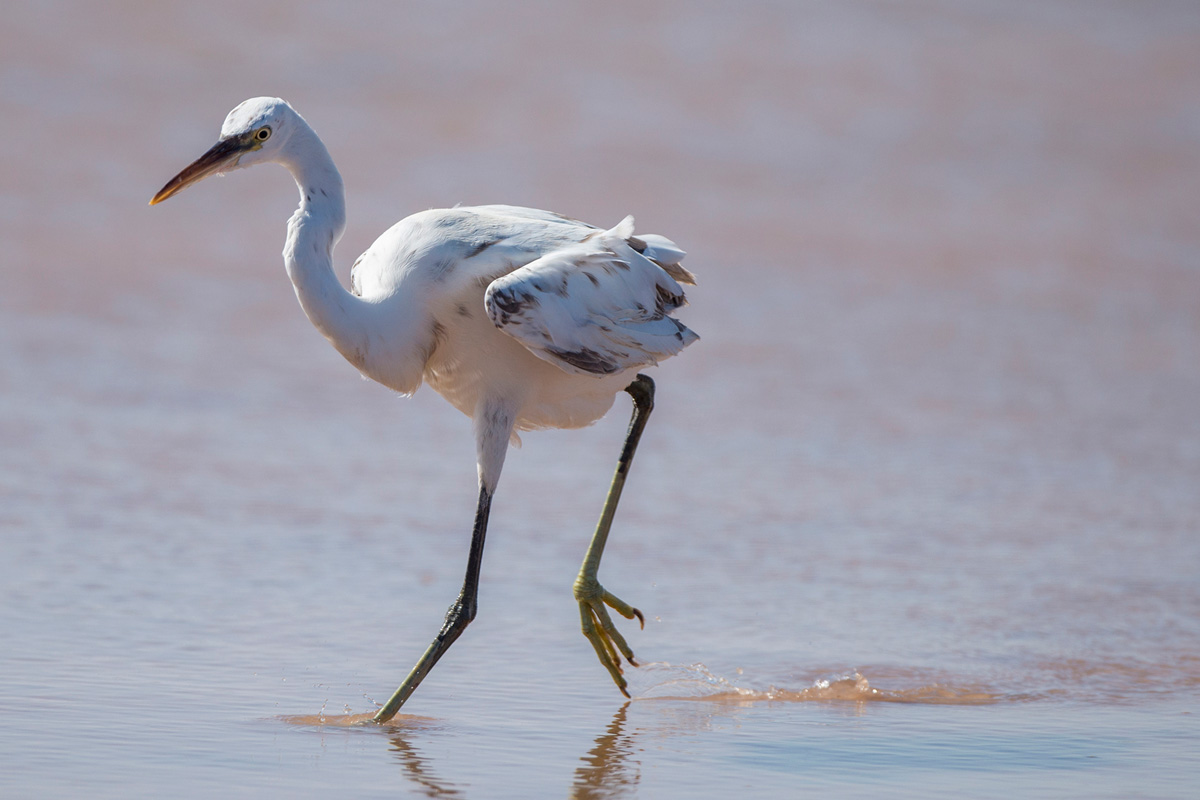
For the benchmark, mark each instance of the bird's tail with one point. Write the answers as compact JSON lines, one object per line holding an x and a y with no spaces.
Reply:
{"x":659,"y":249}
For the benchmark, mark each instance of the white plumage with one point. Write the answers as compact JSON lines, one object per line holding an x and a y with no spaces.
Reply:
{"x":593,"y":308}
{"x":479,"y":280}
{"x":521,"y":318}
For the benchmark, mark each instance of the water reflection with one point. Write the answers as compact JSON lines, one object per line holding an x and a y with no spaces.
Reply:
{"x":608,"y":769}
{"x":416,"y":767}
{"x":404,"y":732}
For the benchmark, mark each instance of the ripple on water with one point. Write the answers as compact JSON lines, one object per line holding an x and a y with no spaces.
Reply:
{"x":361,"y":720}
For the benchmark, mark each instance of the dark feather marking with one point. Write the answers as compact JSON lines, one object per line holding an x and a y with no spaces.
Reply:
{"x":505,"y":302}
{"x":637,"y":244}
{"x":585,"y":359}
{"x":667,"y":300}
{"x":592,"y":278}
{"x":462,"y":310}
{"x":480,"y":248}
{"x":508,"y":302}
{"x":680,"y":274}
{"x":439,"y":336}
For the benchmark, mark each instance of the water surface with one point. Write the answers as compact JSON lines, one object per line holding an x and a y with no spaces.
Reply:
{"x":917,"y":517}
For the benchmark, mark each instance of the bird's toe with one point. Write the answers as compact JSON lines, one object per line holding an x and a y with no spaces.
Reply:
{"x":597,"y":626}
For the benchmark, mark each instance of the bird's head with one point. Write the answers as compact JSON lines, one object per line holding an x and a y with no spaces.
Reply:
{"x":255,"y":132}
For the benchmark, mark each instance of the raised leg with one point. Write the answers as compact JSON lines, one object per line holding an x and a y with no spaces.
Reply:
{"x":459,"y":615}
{"x":595,"y":621}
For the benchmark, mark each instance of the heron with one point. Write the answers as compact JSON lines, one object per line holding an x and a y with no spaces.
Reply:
{"x":522,"y":319}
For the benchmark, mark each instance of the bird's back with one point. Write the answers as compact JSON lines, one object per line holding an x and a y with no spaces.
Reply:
{"x":550,"y":312}
{"x":448,"y":246}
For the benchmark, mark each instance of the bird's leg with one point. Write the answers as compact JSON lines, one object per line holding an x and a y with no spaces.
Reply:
{"x":592,"y":597}
{"x":458,"y":616}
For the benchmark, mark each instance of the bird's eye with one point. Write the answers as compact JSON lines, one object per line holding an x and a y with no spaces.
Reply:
{"x":262,"y":134}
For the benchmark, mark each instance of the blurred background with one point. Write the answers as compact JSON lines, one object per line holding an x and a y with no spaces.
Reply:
{"x":942,"y":426}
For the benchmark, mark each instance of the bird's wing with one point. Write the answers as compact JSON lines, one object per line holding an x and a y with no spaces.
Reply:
{"x":596,"y":307}
{"x":659,"y":249}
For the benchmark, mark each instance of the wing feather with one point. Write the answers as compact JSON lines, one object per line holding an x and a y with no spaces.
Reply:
{"x":597,"y":307}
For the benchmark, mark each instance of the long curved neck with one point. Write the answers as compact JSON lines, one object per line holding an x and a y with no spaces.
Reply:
{"x":313,"y":231}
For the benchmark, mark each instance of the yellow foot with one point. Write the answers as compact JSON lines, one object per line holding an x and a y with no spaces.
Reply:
{"x":598,"y":626}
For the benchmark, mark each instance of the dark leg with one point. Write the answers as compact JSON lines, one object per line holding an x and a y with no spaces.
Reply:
{"x":458,"y":616}
{"x":595,"y":622}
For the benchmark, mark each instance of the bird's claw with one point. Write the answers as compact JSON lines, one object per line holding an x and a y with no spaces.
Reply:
{"x":598,"y":627}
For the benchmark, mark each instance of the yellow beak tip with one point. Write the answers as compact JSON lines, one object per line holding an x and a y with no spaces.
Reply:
{"x":163,"y":194}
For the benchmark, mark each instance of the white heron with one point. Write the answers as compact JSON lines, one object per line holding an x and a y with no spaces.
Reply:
{"x":522,"y":319}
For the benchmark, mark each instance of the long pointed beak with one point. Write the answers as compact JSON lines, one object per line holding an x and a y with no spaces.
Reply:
{"x":224,"y":153}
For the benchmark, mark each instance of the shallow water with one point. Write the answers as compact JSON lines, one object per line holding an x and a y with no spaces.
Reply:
{"x":917,"y":517}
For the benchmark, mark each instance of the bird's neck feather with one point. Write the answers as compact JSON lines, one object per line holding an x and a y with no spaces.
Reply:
{"x":313,"y":232}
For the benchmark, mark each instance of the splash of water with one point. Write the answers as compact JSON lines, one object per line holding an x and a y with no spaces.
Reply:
{"x":697,"y":682}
